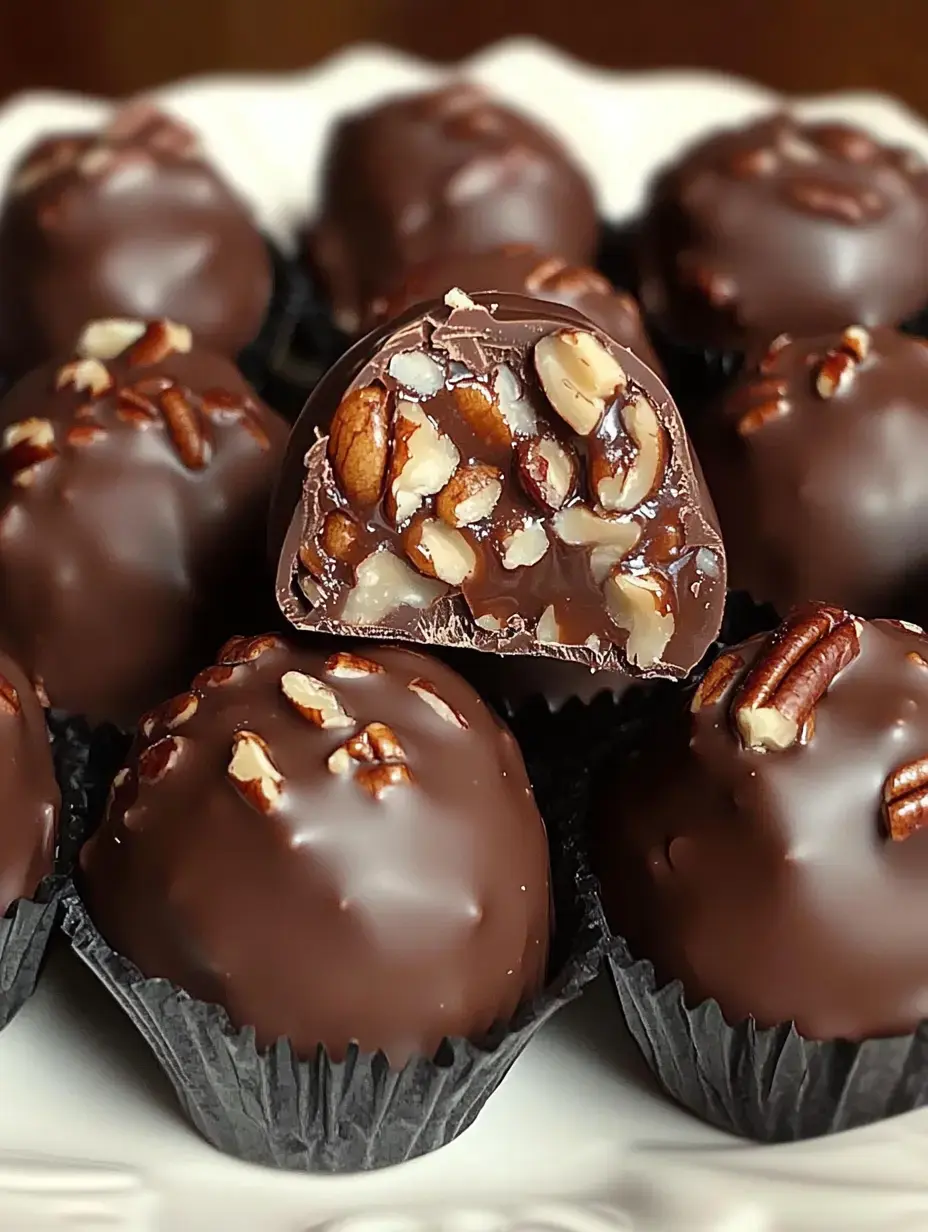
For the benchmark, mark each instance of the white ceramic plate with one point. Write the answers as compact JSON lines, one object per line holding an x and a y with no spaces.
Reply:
{"x":576,"y":1140}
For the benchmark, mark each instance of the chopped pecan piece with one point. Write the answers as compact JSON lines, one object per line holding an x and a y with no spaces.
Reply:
{"x":252,"y":772}
{"x":905,"y":799}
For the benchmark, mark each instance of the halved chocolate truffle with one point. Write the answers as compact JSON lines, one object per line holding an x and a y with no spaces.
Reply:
{"x":815,"y":461}
{"x":522,"y":270}
{"x":134,"y":481}
{"x":130,"y":221}
{"x":31,"y":800}
{"x":782,"y":225}
{"x":499,"y":475}
{"x":448,"y":171}
{"x":334,"y":847}
{"x":765,"y":847}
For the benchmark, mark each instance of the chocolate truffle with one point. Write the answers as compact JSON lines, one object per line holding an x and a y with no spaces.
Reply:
{"x":450,"y":171}
{"x":134,"y":481}
{"x":499,"y":475}
{"x":31,"y":800}
{"x":130,"y":221}
{"x":781,"y":225}
{"x":375,"y":819}
{"x":525,"y":271}
{"x":815,"y":460}
{"x":765,"y":847}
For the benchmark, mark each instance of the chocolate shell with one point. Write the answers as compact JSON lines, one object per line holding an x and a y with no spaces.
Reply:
{"x":782,"y":225}
{"x":764,"y":846}
{"x":522,"y":270}
{"x":377,"y":820}
{"x":499,"y":475}
{"x":815,"y":463}
{"x":134,"y":481}
{"x":448,"y":171}
{"x":129,"y":221}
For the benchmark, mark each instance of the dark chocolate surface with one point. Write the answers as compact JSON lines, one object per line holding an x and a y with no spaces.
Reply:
{"x":30,"y":795}
{"x":130,"y":221}
{"x":815,"y":460}
{"x":131,"y":518}
{"x":781,"y":225}
{"x":769,"y":878}
{"x":448,"y":171}
{"x":464,"y":376}
{"x":522,"y":270}
{"x":395,"y":899}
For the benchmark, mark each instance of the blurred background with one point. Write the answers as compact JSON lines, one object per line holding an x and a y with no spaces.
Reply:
{"x":115,"y":47}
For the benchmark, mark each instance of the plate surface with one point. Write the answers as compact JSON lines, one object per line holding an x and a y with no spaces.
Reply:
{"x":577,"y":1140}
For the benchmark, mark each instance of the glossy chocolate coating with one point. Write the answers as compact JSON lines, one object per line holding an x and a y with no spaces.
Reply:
{"x":131,"y":522}
{"x":31,"y":800}
{"x":826,"y":497}
{"x":394,"y":920}
{"x":521,"y":270}
{"x":498,"y":608}
{"x":780,"y":225}
{"x":767,"y":879}
{"x":127,"y":222}
{"x":449,"y":171}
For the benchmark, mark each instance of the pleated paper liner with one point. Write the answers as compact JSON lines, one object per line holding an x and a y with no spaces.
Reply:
{"x":768,"y":1084}
{"x":320,"y":1115}
{"x":28,"y":926}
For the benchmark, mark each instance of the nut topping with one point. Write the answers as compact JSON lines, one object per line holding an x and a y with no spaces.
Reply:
{"x":159,"y":759}
{"x":377,"y":758}
{"x":523,"y":546}
{"x":579,"y":377}
{"x":439,"y":551}
{"x":185,"y":428}
{"x":253,"y":773}
{"x":358,"y":443}
{"x":172,"y":714}
{"x":159,"y":340}
{"x":470,"y":495}
{"x":108,"y":338}
{"x":641,"y":603}
{"x":856,"y":341}
{"x":716,"y":680}
{"x":423,"y":461}
{"x":515,"y":409}
{"x":85,"y":434}
{"x":247,"y":649}
{"x":834,"y":373}
{"x":425,"y":690}
{"x":85,"y":374}
{"x":484,"y":415}
{"x":347,"y":666}
{"x":384,"y":583}
{"x":9,"y":698}
{"x":905,"y":799}
{"x":547,"y":472}
{"x":26,"y":445}
{"x":211,"y":677}
{"x":792,"y":674}
{"x":619,"y":489}
{"x":314,"y":700}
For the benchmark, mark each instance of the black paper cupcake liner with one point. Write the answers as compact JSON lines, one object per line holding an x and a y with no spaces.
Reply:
{"x":769,"y":1084}
{"x":269,"y":1107}
{"x":28,"y":926}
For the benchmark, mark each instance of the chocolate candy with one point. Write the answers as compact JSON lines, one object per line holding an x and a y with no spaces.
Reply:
{"x":815,"y":462}
{"x":30,"y":795}
{"x":765,"y":847}
{"x":134,"y":481}
{"x":525,"y":271}
{"x":780,"y":226}
{"x":375,"y":819}
{"x":499,"y":475}
{"x":450,"y":171}
{"x":130,"y":221}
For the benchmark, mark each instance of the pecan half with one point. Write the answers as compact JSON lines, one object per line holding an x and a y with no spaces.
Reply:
{"x":792,"y":674}
{"x":716,"y":680}
{"x":246,"y":649}
{"x":344,"y":665}
{"x":905,"y":799}
{"x":358,"y":443}
{"x":185,"y":428}
{"x":483,"y":414}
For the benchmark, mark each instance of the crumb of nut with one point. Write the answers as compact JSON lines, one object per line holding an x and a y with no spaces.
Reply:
{"x":547,"y":631}
{"x":523,"y":546}
{"x":85,"y":374}
{"x":384,"y":583}
{"x":641,"y":604}
{"x":108,"y":338}
{"x":423,"y":461}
